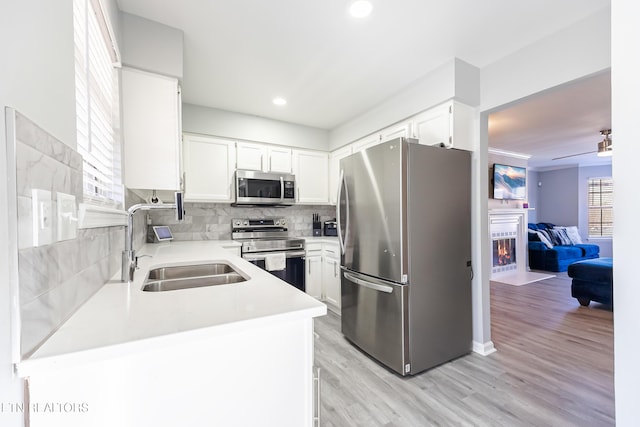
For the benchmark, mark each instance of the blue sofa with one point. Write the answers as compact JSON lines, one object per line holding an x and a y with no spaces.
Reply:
{"x":558,"y":258}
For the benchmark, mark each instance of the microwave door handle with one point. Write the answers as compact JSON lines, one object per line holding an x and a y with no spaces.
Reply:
{"x":281,"y":189}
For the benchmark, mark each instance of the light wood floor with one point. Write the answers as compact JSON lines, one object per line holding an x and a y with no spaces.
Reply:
{"x":553,"y":367}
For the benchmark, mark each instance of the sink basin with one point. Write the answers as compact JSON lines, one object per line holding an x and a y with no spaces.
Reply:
{"x":185,"y":271}
{"x":193,"y":282}
{"x":174,"y":278}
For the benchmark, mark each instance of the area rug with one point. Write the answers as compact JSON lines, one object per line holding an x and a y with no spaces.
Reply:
{"x":519,"y":279}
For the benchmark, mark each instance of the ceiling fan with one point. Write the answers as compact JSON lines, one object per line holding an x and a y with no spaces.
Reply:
{"x":605,"y":147}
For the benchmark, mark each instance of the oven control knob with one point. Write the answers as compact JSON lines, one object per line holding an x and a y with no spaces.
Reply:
{"x":246,"y":222}
{"x":283,"y":222}
{"x":237,"y":223}
{"x":277,"y":222}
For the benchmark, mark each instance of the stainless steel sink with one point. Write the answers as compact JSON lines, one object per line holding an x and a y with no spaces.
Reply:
{"x":174,"y":278}
{"x":185,"y":271}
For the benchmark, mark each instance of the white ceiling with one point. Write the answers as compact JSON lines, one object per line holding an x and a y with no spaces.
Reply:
{"x":240,"y":54}
{"x":564,"y":121}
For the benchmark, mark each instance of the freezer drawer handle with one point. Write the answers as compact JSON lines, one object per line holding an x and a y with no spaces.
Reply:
{"x":374,"y":286}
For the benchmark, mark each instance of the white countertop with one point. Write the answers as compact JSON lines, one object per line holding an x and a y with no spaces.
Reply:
{"x":121,"y":318}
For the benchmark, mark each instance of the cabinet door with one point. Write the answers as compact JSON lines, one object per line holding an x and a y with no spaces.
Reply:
{"x":396,"y":131}
{"x":151,"y":130}
{"x":433,"y":127}
{"x":331,"y":281}
{"x":209,"y":165}
{"x":311,"y":169}
{"x":366,"y":142}
{"x":334,"y":171}
{"x":313,"y":275}
{"x":279,"y":159}
{"x":250,"y":156}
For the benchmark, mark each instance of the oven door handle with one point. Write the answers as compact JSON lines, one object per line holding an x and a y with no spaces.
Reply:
{"x":262,"y":256}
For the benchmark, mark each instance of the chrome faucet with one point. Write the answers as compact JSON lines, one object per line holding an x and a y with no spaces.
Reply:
{"x":129,"y":258}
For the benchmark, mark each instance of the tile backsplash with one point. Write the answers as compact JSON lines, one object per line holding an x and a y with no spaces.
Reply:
{"x":55,"y":279}
{"x":206,"y":221}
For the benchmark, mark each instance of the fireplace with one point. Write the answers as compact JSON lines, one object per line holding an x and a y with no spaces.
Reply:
{"x":507,"y":255}
{"x":504,"y":252}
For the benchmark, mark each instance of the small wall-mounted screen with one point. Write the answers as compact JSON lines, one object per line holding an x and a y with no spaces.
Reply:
{"x":509,"y":182}
{"x":162,"y":232}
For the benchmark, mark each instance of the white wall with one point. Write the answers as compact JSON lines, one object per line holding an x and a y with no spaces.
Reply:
{"x":453,"y":79}
{"x":575,"y":52}
{"x":211,"y":121}
{"x":36,"y":78}
{"x":625,"y":69}
{"x":151,"y":46}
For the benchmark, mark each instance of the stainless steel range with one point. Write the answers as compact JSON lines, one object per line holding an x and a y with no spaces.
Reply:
{"x":266,"y":243}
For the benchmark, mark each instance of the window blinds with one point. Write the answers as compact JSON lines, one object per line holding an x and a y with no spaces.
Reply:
{"x":97,"y":106}
{"x":600,"y":207}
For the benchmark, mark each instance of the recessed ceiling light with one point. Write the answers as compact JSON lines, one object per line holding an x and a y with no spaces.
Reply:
{"x":360,"y":8}
{"x":279,"y":101}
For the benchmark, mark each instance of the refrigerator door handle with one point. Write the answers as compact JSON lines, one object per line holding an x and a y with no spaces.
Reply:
{"x":342,"y":239}
{"x":367,"y":284}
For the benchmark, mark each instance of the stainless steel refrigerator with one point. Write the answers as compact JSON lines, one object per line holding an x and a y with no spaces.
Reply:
{"x":404,"y":225}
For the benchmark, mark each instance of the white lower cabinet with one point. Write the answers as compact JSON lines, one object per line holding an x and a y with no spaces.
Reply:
{"x":322,"y":280}
{"x":244,"y":376}
{"x":331,"y":275}
{"x":313,"y":273}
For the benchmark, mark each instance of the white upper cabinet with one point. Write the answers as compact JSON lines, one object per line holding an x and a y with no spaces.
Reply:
{"x":209,"y":166}
{"x":279,"y":159}
{"x":262,"y":157}
{"x":151,"y":130}
{"x":334,"y":171}
{"x":311,"y":169}
{"x":448,"y":125}
{"x":396,"y":131}
{"x":366,"y":142}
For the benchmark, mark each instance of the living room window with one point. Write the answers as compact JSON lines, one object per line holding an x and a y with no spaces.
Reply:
{"x":97,"y":104}
{"x":601,"y":207}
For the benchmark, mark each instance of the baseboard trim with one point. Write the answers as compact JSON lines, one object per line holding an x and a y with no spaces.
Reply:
{"x":484,"y":349}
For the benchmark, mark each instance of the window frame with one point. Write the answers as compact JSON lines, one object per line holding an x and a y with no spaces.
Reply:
{"x":601,"y":206}
{"x":97,"y":82}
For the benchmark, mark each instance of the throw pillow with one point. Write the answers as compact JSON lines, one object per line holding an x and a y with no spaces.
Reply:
{"x":542,"y":235}
{"x":560,"y":237}
{"x":573,"y":234}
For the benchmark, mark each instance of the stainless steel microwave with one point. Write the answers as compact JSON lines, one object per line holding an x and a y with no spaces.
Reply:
{"x":264,"y":188}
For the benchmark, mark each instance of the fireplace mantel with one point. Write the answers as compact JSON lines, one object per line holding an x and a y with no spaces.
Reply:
{"x":515,"y":221}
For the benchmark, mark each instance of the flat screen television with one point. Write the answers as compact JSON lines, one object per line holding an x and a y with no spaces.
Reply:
{"x":509,"y":182}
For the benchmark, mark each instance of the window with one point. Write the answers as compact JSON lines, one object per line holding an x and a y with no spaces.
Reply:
{"x":600,"y":207}
{"x":97,"y":104}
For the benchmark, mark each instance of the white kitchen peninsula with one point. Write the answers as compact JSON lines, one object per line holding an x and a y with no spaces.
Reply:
{"x":237,"y":354}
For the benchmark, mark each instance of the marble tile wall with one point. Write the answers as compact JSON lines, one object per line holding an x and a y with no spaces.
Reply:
{"x":205,"y":221}
{"x":55,"y":279}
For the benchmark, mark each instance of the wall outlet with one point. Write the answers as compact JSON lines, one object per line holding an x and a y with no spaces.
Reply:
{"x":42,"y":217}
